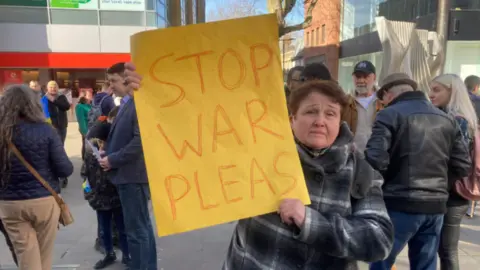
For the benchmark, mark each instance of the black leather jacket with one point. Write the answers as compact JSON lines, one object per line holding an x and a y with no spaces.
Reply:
{"x":415,"y":146}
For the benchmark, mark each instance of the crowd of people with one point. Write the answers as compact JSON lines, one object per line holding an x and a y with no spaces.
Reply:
{"x":382,"y":166}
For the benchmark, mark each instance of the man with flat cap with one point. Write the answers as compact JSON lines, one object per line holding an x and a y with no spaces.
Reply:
{"x":415,"y":146}
{"x":363,"y":105}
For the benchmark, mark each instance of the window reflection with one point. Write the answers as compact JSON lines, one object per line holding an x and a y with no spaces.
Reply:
{"x":161,"y":13}
{"x":465,"y":4}
{"x":358,"y":16}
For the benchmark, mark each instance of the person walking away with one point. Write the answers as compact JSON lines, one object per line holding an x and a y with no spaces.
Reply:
{"x":448,"y":93}
{"x":102,"y":104}
{"x":472,"y":83}
{"x":124,"y":157}
{"x":363,"y":104}
{"x":56,"y":107}
{"x":81,"y":111}
{"x":103,"y":197}
{"x":28,"y":210}
{"x":340,"y":227}
{"x":415,"y":146}
{"x":104,"y":100}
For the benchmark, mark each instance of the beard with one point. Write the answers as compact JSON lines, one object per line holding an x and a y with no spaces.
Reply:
{"x":362,"y":89}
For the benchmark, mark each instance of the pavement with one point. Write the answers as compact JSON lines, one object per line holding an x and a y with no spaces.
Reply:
{"x":198,"y":250}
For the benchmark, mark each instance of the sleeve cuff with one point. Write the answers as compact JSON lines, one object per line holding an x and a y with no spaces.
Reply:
{"x":304,"y":233}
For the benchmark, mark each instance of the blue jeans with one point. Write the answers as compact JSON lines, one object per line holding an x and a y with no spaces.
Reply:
{"x":105,"y":225}
{"x":140,"y":236}
{"x":421,"y":233}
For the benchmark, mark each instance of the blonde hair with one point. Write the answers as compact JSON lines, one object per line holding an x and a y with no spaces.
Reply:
{"x":52,"y":83}
{"x":459,"y":103}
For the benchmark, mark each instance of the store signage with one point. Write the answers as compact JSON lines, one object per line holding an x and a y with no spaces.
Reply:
{"x":80,"y":4}
{"x":24,"y":3}
{"x":12,"y":76}
{"x":138,"y":5}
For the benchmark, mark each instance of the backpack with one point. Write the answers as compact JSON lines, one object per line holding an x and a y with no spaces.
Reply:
{"x":95,"y":112}
{"x":469,"y":187}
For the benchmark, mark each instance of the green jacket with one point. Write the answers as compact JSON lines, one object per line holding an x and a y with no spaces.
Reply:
{"x":81,"y":111}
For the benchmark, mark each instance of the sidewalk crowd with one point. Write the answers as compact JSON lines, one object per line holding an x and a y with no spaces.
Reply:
{"x":386,"y":166}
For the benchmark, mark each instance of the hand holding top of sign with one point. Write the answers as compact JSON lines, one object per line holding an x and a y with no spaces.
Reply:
{"x":292,"y":211}
{"x":132,"y":77}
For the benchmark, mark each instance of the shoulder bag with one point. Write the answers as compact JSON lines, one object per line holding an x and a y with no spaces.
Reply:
{"x":66,"y":217}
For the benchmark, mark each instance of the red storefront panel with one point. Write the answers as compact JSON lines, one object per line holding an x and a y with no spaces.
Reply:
{"x":61,"y":60}
{"x":11,"y":76}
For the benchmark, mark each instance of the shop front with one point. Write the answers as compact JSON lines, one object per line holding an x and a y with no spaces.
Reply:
{"x":70,"y":70}
{"x":74,"y":72}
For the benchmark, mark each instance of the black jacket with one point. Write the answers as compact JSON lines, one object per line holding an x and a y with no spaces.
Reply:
{"x":103,"y":195}
{"x":415,"y":146}
{"x":58,"y":112}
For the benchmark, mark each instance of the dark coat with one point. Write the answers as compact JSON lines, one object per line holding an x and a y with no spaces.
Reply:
{"x":58,"y":112}
{"x":103,"y":195}
{"x":416,"y":146}
{"x":41,"y":146}
{"x":346,"y":222}
{"x":124,"y":148}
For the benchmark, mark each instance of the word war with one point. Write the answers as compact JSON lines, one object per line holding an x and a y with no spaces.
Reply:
{"x":220,"y":112}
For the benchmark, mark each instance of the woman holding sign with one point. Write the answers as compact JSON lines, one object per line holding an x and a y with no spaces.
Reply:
{"x":347,"y":220}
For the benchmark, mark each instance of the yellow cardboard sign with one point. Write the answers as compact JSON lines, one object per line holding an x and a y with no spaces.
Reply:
{"x":215,"y":131}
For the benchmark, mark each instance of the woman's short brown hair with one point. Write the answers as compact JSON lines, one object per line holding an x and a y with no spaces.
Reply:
{"x":328,"y":88}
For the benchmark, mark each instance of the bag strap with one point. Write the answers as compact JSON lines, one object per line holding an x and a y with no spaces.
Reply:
{"x":35,"y":173}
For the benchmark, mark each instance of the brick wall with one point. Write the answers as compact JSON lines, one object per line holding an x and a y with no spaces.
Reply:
{"x":322,"y":38}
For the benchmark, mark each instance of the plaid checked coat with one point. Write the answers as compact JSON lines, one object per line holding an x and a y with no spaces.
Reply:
{"x":347,"y":220}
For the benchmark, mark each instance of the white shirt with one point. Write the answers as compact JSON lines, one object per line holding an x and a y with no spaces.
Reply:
{"x":365,"y":101}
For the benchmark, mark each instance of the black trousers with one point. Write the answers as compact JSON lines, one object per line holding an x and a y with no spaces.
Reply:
{"x":448,"y":248}
{"x":9,"y":243}
{"x":83,"y":147}
{"x":62,"y":132}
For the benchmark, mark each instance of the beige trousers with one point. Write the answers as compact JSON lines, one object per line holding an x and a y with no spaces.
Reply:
{"x":32,"y":226}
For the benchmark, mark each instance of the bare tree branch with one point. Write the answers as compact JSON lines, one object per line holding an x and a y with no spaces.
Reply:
{"x":285,"y":29}
{"x":287,"y":8}
{"x":232,"y":9}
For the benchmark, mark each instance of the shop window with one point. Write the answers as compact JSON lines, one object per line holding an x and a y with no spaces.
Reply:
{"x":73,"y":16}
{"x":151,"y":19}
{"x":150,"y":4}
{"x":161,"y":21}
{"x":122,"y":18}
{"x":23,"y":15}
